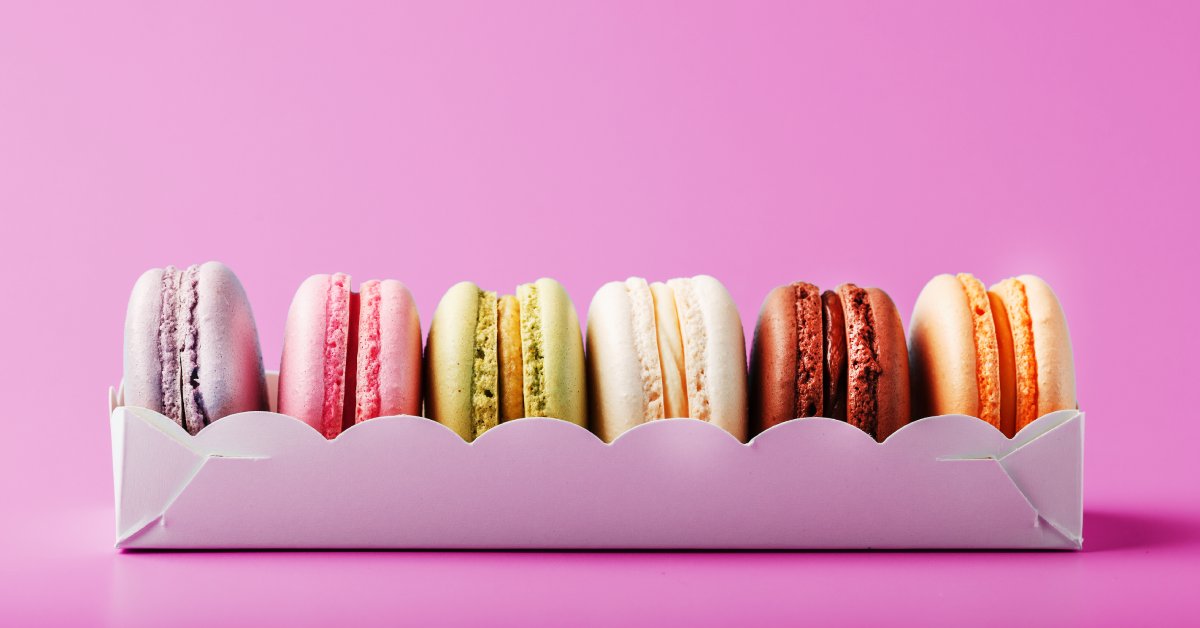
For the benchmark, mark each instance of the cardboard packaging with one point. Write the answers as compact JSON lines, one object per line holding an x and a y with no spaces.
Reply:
{"x":265,"y":480}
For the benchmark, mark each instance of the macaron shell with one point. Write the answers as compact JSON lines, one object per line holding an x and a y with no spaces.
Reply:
{"x":645,"y":343}
{"x":810,"y":382}
{"x":712,"y":329}
{"x":695,"y":348}
{"x":810,"y":353}
{"x":562,"y":354}
{"x":941,"y":350}
{"x":987,"y":359}
{"x":485,"y":370}
{"x":533,"y":383}
{"x":450,"y":359}
{"x":773,"y":360}
{"x":862,"y":365}
{"x":231,"y":377}
{"x":363,"y":354}
{"x":399,"y":351}
{"x":187,"y":343}
{"x":624,"y":384}
{"x":892,"y":388}
{"x":143,"y":364}
{"x":302,"y":385}
{"x":1052,"y":344}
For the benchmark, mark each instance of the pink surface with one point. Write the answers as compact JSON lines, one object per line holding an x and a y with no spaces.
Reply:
{"x":866,"y":143}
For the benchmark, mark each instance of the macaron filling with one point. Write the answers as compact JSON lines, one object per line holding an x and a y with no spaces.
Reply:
{"x":833,"y":369}
{"x":987,"y":356}
{"x":369,"y":345}
{"x":809,"y":399}
{"x":337,"y":331}
{"x":532,"y":351}
{"x":508,"y":354}
{"x":485,"y":409}
{"x":670,"y":351}
{"x":863,"y":366}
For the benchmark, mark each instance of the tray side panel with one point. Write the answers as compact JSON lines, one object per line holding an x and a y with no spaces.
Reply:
{"x":260,"y":481}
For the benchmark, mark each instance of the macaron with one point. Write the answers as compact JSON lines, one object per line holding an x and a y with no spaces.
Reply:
{"x":839,"y":354}
{"x":350,"y":356}
{"x":665,"y":350}
{"x":191,"y":347}
{"x":1001,"y":354}
{"x":493,"y":358}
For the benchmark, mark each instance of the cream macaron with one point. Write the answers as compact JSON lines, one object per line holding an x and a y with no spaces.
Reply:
{"x":663,"y":350}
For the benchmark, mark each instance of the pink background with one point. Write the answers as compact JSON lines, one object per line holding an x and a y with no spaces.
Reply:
{"x":761,"y":143}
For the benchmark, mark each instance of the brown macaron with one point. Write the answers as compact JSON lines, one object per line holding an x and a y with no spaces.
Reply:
{"x":839,"y":354}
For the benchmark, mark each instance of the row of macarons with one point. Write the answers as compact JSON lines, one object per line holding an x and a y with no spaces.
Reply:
{"x":653,"y":350}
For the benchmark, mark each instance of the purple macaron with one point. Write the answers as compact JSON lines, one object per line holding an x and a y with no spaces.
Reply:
{"x":191,"y":347}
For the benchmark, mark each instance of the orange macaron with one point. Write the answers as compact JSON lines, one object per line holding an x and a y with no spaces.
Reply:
{"x":1002,"y":354}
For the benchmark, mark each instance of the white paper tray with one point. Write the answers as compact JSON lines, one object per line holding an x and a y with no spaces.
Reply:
{"x":265,"y":480}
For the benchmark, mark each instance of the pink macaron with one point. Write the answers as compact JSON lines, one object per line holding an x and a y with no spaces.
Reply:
{"x":350,"y":356}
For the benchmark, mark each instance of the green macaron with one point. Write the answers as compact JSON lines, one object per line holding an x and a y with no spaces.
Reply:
{"x":490,"y":359}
